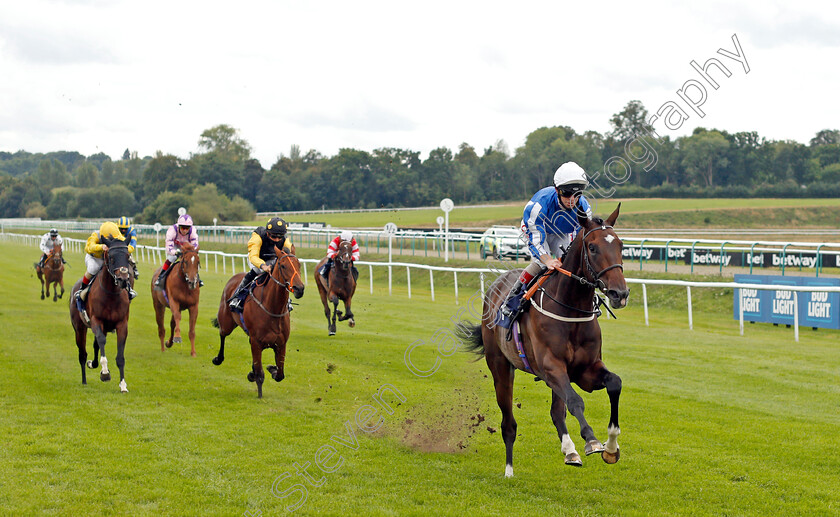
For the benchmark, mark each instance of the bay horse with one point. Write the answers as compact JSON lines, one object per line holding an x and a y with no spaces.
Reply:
{"x":341,"y":286}
{"x":107,"y":307}
{"x":52,"y":273}
{"x":561,"y":338}
{"x":265,"y":316}
{"x":180,"y":291}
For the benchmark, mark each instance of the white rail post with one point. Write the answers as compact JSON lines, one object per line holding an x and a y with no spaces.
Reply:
{"x":741,"y":310}
{"x":644,"y":302}
{"x":432,"y":283}
{"x":481,"y":276}
{"x":224,"y":265}
{"x":216,"y":262}
{"x":408,"y":276}
{"x":370,"y":266}
{"x":796,"y":316}
{"x":690,"y":320}
{"x":455,"y":274}
{"x":305,"y":275}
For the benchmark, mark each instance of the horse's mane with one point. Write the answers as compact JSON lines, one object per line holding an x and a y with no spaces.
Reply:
{"x":186,"y":246}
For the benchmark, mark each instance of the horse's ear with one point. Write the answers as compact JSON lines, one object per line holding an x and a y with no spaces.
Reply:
{"x":583,"y":219}
{"x":613,"y":216}
{"x":293,"y":249}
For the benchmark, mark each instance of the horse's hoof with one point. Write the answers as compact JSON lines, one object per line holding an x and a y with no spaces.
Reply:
{"x":123,"y":387}
{"x":332,"y":333}
{"x":573,"y":459}
{"x":193,"y":354}
{"x":218,"y":360}
{"x":593,"y":446}
{"x":177,"y":340}
{"x":610,"y":457}
{"x":105,"y":377}
{"x":250,"y":376}
{"x":169,"y":344}
{"x":91,"y":365}
{"x":42,"y":296}
{"x":352,"y":323}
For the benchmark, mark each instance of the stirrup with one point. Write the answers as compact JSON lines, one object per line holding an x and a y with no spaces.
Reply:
{"x":236,"y":305}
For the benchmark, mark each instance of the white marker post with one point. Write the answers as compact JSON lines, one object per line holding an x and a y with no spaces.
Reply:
{"x":390,"y":230}
{"x":446,"y":205}
{"x":158,"y":227}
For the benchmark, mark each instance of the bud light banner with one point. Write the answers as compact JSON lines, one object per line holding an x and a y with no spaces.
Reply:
{"x":816,"y":309}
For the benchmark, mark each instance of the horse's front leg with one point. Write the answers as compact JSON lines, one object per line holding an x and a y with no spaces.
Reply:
{"x":174,"y":323}
{"x":61,"y":283}
{"x":41,"y":278}
{"x":348,"y":313}
{"x":99,"y":349}
{"x":567,"y":446}
{"x":193,"y":318}
{"x":256,"y":374}
{"x":335,"y":312}
{"x":278,"y":372}
{"x":122,"y":334}
{"x":558,"y":380}
{"x":55,"y":291}
{"x":596,"y":378}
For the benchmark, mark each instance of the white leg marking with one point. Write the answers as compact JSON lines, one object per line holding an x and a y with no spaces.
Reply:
{"x":567,"y":445}
{"x":612,"y":442}
{"x":508,"y":471}
{"x":123,"y":386}
{"x":104,"y":362}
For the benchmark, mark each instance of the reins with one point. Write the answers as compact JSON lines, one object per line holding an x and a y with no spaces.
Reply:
{"x":583,"y":281}
{"x":285,"y":285}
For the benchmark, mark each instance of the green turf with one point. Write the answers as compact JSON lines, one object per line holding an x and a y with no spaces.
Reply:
{"x":712,"y":423}
{"x":643,"y":212}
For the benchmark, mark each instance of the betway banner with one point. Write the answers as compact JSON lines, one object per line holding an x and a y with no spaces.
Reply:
{"x":708,"y":257}
{"x":819,"y":310}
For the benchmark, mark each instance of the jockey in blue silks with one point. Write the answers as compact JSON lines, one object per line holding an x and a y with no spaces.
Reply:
{"x":549,"y":224}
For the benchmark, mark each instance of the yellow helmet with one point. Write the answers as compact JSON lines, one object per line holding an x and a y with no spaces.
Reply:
{"x":110,"y":230}
{"x":123,"y":222}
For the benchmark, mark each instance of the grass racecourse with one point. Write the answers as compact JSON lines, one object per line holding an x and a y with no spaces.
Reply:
{"x":712,"y":423}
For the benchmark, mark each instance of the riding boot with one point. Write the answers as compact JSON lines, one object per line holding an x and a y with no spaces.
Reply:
{"x":290,"y":305}
{"x":160,"y":281}
{"x":237,"y":302}
{"x":131,"y":293}
{"x":325,"y":270}
{"x":200,"y":282}
{"x":510,"y":305}
{"x":41,"y":262}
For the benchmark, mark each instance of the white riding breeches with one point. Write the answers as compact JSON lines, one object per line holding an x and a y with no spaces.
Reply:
{"x":93,"y":264}
{"x":555,"y":244}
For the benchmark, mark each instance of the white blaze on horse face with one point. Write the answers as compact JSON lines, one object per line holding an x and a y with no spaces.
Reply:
{"x":609,"y":239}
{"x":508,"y":471}
{"x":612,"y":442}
{"x":567,"y":445}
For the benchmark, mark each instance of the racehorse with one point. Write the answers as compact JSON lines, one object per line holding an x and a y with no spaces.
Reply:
{"x":265,"y":316}
{"x":341,"y":286}
{"x":561,"y":338}
{"x":52,"y":273}
{"x":107,"y":307}
{"x":181,"y":291}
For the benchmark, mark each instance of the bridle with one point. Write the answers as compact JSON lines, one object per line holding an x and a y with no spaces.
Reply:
{"x":285,"y":284}
{"x":345,"y":251}
{"x":108,"y":261}
{"x":596,"y":276}
{"x":183,"y":260}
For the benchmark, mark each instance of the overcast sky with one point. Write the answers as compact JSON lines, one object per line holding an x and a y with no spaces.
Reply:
{"x":102,"y":76}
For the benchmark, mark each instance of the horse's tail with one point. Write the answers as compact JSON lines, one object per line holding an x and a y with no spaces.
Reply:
{"x":215,"y":322}
{"x":471,"y":335}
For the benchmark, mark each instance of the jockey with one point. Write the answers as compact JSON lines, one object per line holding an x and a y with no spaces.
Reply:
{"x":549,"y":223}
{"x":48,"y":242}
{"x":332,"y":251}
{"x":179,"y":233}
{"x":95,"y":249}
{"x":130,"y":235}
{"x":261,"y":255}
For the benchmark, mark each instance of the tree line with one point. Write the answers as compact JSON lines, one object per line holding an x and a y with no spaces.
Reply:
{"x":224,"y":181}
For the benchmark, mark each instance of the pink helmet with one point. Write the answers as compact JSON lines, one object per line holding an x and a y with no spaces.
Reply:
{"x":185,"y":220}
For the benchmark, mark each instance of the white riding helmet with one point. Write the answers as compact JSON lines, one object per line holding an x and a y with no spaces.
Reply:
{"x":571,"y":177}
{"x":346,"y":235}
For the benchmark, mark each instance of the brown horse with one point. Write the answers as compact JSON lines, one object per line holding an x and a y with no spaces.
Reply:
{"x":107,"y":307}
{"x":52,"y":273}
{"x":561,"y":339}
{"x":265,"y":315}
{"x":181,"y":291}
{"x":341,"y":286}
